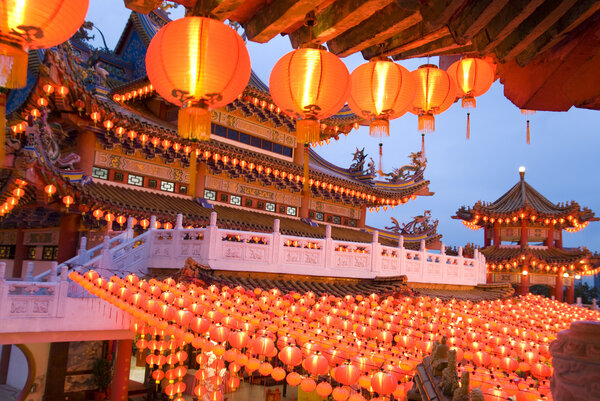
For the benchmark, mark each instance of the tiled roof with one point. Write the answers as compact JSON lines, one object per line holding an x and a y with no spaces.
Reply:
{"x":494,"y":254}
{"x":146,"y":203}
{"x":475,"y":294}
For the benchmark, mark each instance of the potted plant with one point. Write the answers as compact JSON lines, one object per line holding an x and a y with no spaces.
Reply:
{"x":101,"y":372}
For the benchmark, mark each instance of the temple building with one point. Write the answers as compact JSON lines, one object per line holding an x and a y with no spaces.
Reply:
{"x":523,"y":239}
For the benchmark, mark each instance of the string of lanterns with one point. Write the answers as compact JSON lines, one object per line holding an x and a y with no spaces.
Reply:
{"x":347,"y":347}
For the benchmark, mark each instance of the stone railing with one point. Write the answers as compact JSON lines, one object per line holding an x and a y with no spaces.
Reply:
{"x":224,"y":249}
{"x":30,"y":298}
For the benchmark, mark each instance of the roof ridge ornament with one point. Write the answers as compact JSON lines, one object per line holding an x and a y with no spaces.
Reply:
{"x":522,"y":173}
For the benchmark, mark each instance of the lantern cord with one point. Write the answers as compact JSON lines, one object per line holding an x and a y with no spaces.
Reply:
{"x":380,"y":170}
{"x":468,"y":126}
{"x":2,"y":127}
{"x":423,"y":158}
{"x":528,"y":134}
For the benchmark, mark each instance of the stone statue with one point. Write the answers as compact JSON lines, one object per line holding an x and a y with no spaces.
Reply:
{"x":439,"y":357}
{"x":371,"y":167}
{"x":449,"y":381}
{"x":462,"y":393}
{"x":477,"y":395}
{"x":413,"y":394}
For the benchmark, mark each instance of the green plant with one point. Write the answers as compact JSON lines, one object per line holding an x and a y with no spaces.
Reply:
{"x":102,"y":374}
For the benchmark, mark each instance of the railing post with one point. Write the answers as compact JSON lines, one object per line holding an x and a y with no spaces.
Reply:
{"x":2,"y":271}
{"x":29,"y":272}
{"x":329,"y":251}
{"x":402,"y":254}
{"x":152,"y":223}
{"x":4,"y":289}
{"x":375,"y":252}
{"x":460,"y":251}
{"x":177,"y":234}
{"x":423,"y":251}
{"x":83,"y":253}
{"x":53,"y":272}
{"x":63,"y":291}
{"x":212,"y":238}
{"x":104,"y":263}
{"x":179,"y":222}
{"x":276,"y":244}
{"x":129,"y":229}
{"x":443,"y":259}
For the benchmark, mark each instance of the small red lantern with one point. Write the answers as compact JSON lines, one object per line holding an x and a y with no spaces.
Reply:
{"x":68,"y":201}
{"x":436,"y":92}
{"x":50,"y":190}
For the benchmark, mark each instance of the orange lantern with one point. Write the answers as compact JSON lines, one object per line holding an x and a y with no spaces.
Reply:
{"x":381,"y":90}
{"x":473,"y":77}
{"x":198,"y":64}
{"x":384,"y":383}
{"x":309,"y":84}
{"x":50,"y":190}
{"x":435,"y":93}
{"x":34,"y":24}
{"x":68,"y":201}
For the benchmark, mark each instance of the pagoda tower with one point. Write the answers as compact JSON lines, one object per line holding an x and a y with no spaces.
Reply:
{"x":523,"y":239}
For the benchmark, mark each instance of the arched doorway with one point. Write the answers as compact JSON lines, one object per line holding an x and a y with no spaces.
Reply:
{"x":17,"y":370}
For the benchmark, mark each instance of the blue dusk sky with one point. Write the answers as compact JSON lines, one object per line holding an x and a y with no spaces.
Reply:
{"x":560,"y":162}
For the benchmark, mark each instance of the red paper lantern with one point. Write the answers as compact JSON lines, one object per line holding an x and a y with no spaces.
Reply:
{"x":347,"y":374}
{"x":316,"y":364}
{"x":436,"y":92}
{"x":381,"y":90}
{"x":291,"y":356}
{"x":309,"y":84}
{"x":384,"y":383}
{"x":198,"y":64}
{"x":34,"y":24}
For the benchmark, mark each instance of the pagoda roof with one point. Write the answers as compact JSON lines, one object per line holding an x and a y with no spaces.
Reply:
{"x":523,"y":198}
{"x":552,"y":256}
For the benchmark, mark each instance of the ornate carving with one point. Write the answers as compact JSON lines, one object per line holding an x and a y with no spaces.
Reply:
{"x":358,"y":159}
{"x":18,"y":307}
{"x":477,"y":395}
{"x":449,"y":381}
{"x":576,"y":362}
{"x":41,"y":306}
{"x":462,"y":392}
{"x":419,"y":226}
{"x":439,"y":357}
{"x":409,"y":172}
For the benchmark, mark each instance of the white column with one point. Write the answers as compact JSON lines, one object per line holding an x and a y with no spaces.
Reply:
{"x":212,"y":238}
{"x":402,"y":254}
{"x":329,"y":251}
{"x":276,"y":245}
{"x":375,"y":253}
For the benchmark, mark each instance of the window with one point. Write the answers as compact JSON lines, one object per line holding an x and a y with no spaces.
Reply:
{"x":261,"y":205}
{"x":352,"y":223}
{"x":235,"y":200}
{"x":167,"y":186}
{"x":224,"y":197}
{"x":248,"y":202}
{"x":281,"y":209}
{"x":269,"y":207}
{"x":118,"y":176}
{"x":337,"y":220}
{"x":319,"y":216}
{"x":30,"y":253}
{"x":7,"y":251}
{"x":152,"y":183}
{"x":101,"y":173}
{"x":220,"y":130}
{"x":49,"y":252}
{"x":210,"y":195}
{"x":291,"y":211}
{"x":311,"y":214}
{"x":183,"y":189}
{"x":329,"y":218}
{"x":247,"y":139}
{"x":137,"y":180}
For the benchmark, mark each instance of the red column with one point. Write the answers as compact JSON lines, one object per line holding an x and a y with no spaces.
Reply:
{"x":17,"y":270}
{"x":86,"y":143}
{"x":68,"y":236}
{"x":558,"y":243}
{"x":200,"y":175}
{"x":550,"y":239}
{"x":363,"y":216}
{"x":571,"y":292}
{"x":524,"y":287}
{"x":497,"y":239}
{"x":120,"y":380}
{"x":305,"y":204}
{"x":523,"y":241}
{"x":489,"y":278}
{"x":487,"y":241}
{"x":558,"y":289}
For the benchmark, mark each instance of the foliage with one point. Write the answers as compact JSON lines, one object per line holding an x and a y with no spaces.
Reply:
{"x":586,"y":293}
{"x":102,"y":373}
{"x":540,"y":289}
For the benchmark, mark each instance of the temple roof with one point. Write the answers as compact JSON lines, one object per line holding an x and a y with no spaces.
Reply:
{"x":522,"y":198}
{"x":552,"y":256}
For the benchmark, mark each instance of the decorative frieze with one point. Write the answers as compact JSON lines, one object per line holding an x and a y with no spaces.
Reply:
{"x":330,"y":208}
{"x":253,"y":128}
{"x":244,"y":189}
{"x":130,"y":165}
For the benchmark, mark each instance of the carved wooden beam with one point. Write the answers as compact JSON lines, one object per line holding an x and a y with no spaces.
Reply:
{"x":531,"y":28}
{"x":337,"y":18}
{"x":384,"y":23}
{"x":276,"y":17}
{"x":438,"y":12}
{"x":505,"y":22}
{"x":580,"y":12}
{"x":411,"y":38}
{"x":473,"y":19}
{"x":441,"y":46}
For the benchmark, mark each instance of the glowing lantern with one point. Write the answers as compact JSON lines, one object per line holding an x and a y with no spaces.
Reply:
{"x":347,"y":374}
{"x":50,"y":190}
{"x":308,"y":385}
{"x":34,"y":24}
{"x":316,"y":364}
{"x":324,"y":389}
{"x":291,"y":356}
{"x":198,"y":64}
{"x":68,"y":201}
{"x":18,"y":192}
{"x":98,"y":213}
{"x":435,"y":93}
{"x":381,"y":90}
{"x":109,"y":217}
{"x":473,"y":77}
{"x":384,"y":383}
{"x":309,"y":84}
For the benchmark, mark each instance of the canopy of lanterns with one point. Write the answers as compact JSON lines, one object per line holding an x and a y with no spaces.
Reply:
{"x":350,"y":348}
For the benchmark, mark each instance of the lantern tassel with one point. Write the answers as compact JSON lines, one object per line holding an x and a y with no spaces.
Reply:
{"x":2,"y":128}
{"x":380,"y":170}
{"x":308,"y":130}
{"x":13,"y":66}
{"x":426,"y":123}
{"x":423,"y":158}
{"x":528,"y":134}
{"x":468,"y":126}
{"x":306,"y":157}
{"x":379,"y":127}
{"x":194,"y":123}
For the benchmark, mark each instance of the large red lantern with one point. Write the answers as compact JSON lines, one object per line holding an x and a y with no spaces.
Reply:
{"x":198,"y":64}
{"x":381,"y":90}
{"x":309,"y":84}
{"x":34,"y":24}
{"x":436,"y":92}
{"x":473,"y":77}
{"x":384,"y":383}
